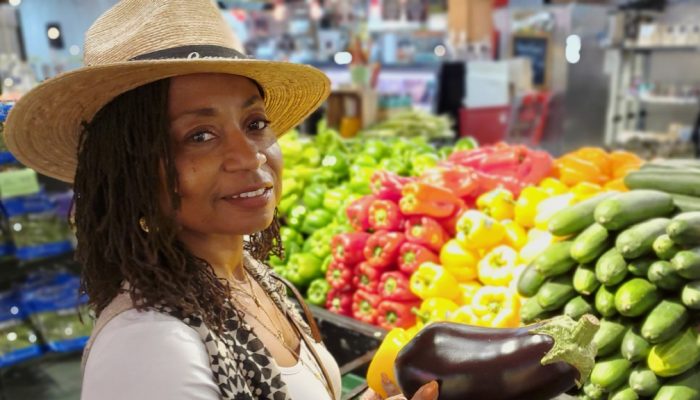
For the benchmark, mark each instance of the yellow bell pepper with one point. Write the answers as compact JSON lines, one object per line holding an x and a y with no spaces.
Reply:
{"x":537,"y":241}
{"x":497,"y":267}
{"x":413,"y":331}
{"x":468,"y":290}
{"x":584,"y":190}
{"x":477,"y":231}
{"x":465,"y":315}
{"x":458,"y":261}
{"x":553,"y":186}
{"x":496,"y":307}
{"x":432,"y":280}
{"x":436,"y":309}
{"x":526,"y":206}
{"x":516,"y":237}
{"x":384,"y":358}
{"x":498,"y":203}
{"x":547,"y":208}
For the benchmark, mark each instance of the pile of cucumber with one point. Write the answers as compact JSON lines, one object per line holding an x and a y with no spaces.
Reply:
{"x":633,"y":260}
{"x":680,"y":178}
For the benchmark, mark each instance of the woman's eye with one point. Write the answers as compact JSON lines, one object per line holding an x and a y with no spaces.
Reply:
{"x":259,"y":125}
{"x":201,"y":137}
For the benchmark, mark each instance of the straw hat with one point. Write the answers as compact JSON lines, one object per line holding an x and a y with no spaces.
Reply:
{"x":137,"y":42}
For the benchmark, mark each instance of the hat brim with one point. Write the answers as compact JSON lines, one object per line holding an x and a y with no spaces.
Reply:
{"x":43,"y":129}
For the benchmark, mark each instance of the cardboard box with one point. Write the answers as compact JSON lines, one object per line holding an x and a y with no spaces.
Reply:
{"x":471,"y":16}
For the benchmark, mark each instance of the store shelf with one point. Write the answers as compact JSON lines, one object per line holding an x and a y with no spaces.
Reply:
{"x":666,"y":100}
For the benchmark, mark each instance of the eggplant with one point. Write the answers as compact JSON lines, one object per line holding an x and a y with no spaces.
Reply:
{"x":535,"y":362}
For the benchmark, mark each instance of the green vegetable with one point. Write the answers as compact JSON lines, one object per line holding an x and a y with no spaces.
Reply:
{"x":576,"y":218}
{"x":611,"y":268}
{"x":593,"y":391}
{"x":577,"y":307}
{"x":555,"y":260}
{"x":531,"y":311}
{"x":686,"y":203}
{"x":664,"y":321}
{"x":685,"y":228}
{"x":605,"y":301}
{"x":682,"y":387}
{"x":555,"y":293}
{"x":634,"y":347}
{"x":624,"y":393}
{"x":640,"y":267}
{"x":664,"y":247}
{"x":315,"y":220}
{"x":313,"y":196}
{"x":530,"y":281}
{"x":690,"y":296}
{"x":609,"y":337}
{"x":644,"y":382}
{"x":611,"y":373}
{"x":317,"y":292}
{"x":584,"y":280}
{"x":680,"y":182}
{"x":638,"y":240}
{"x":663,"y":275}
{"x":635,"y":297}
{"x":675,"y":356}
{"x":687,"y":263}
{"x":302,"y":268}
{"x":591,"y":243}
{"x":626,"y":209}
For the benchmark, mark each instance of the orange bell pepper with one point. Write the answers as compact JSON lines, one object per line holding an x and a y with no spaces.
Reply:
{"x":477,"y":231}
{"x":526,"y":206}
{"x":597,"y":156}
{"x":496,"y":307}
{"x":497,"y":203}
{"x":624,"y":160}
{"x":458,"y":261}
{"x":516,"y":237}
{"x":384,"y":359}
{"x":573,"y":170}
{"x":497,"y":267}
{"x":469,"y":289}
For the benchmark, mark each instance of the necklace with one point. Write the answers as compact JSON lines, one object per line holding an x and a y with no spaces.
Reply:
{"x":275,"y":322}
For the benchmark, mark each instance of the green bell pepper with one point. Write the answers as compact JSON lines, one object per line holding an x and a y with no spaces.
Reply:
{"x":422,"y":162}
{"x":466,"y":143}
{"x":297,"y":216}
{"x":326,"y":262}
{"x":445,"y":151}
{"x":336,"y":162}
{"x":376,"y":149}
{"x":315,"y":220}
{"x":335,"y":198}
{"x":394,"y":165}
{"x":302,"y":268}
{"x":365,"y":160}
{"x":291,"y":186}
{"x":289,"y":235}
{"x":311,"y":155}
{"x":318,"y":244}
{"x":287,"y":203}
{"x":324,"y":177}
{"x":313,"y":196}
{"x":318,"y":291}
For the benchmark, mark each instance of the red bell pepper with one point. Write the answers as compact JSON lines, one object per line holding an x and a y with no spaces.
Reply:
{"x":387,"y":185}
{"x":382,"y":248}
{"x":394,"y":285}
{"x":366,"y":277}
{"x":385,"y":215}
{"x":339,"y":275}
{"x":541,"y":167}
{"x":426,"y":231}
{"x":425,"y":199}
{"x":364,"y":306}
{"x":411,"y":255}
{"x":449,"y":224}
{"x":358,"y":213}
{"x":395,"y":314}
{"x":339,"y":302}
{"x":460,"y":180}
{"x":348,"y":248}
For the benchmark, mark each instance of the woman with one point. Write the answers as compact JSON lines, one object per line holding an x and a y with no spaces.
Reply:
{"x":169,"y":135}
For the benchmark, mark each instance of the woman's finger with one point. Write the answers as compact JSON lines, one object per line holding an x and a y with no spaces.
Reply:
{"x":389,"y":387}
{"x":429,"y":391}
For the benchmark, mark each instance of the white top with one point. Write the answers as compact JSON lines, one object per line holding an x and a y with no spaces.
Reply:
{"x":152,"y":356}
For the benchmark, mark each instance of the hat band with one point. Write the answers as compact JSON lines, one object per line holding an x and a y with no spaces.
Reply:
{"x":193,"y":52}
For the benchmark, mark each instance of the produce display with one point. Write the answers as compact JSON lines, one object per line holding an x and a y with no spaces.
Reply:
{"x":412,"y":123}
{"x":635,"y":264}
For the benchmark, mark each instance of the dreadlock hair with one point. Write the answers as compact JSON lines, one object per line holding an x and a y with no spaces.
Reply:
{"x":126,"y":173}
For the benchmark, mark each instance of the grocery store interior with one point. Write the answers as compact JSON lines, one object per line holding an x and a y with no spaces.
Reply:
{"x":487,"y":164}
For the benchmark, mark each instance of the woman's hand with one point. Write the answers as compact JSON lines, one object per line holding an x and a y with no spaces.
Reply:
{"x":429,"y":391}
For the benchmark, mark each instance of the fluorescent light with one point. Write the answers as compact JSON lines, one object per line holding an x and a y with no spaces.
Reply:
{"x":342,"y":58}
{"x":15,"y":3}
{"x":53,"y":33}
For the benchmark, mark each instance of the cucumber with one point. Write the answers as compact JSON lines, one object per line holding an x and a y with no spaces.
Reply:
{"x":611,"y":268}
{"x":605,"y":301}
{"x":624,"y":393}
{"x":681,"y":182}
{"x":640,"y":267}
{"x":635,"y":297}
{"x":664,"y":321}
{"x":591,"y":243}
{"x":675,"y":356}
{"x":612,"y":372}
{"x":664,"y":247}
{"x":577,"y":307}
{"x":555,"y":260}
{"x":685,"y":228}
{"x":687,"y":263}
{"x":634,"y":347}
{"x":574,"y":219}
{"x":663,"y":275}
{"x":644,"y":381}
{"x":530,"y":281}
{"x":609,"y":336}
{"x":584,"y":280}
{"x":594,"y":392}
{"x":681,"y":387}
{"x":690,"y":296}
{"x":673,"y":164}
{"x":686,"y":203}
{"x":555,"y":293}
{"x":626,"y":209}
{"x":638,"y":240}
{"x":531,"y":311}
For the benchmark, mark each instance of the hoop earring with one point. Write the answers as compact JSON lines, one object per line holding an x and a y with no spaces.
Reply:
{"x":143,"y":224}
